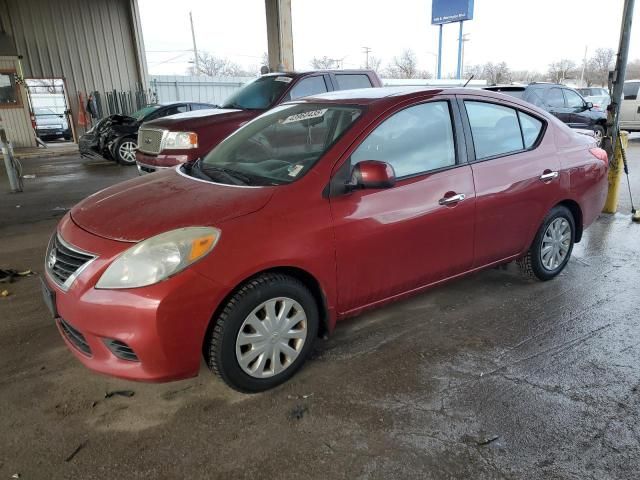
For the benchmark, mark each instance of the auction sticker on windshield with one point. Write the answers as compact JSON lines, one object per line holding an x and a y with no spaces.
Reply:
{"x":298,"y":117}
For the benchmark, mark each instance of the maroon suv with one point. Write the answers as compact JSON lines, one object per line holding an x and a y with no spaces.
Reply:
{"x":181,"y":138}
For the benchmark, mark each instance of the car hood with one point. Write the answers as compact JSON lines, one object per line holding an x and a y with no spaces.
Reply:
{"x":146,"y":206}
{"x":203,"y":119}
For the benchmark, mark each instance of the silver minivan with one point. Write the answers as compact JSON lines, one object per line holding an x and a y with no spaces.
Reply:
{"x":630,"y":108}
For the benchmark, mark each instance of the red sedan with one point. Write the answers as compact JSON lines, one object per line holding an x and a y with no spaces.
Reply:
{"x":312,"y":212}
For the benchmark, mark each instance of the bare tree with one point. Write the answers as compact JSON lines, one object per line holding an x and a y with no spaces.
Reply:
{"x":562,"y":70}
{"x":374,"y":63}
{"x":599,"y":65}
{"x":213,"y":66}
{"x":403,"y":66}
{"x":526,"y":76}
{"x":496,"y":73}
{"x":323,"y":63}
{"x":633,"y":70}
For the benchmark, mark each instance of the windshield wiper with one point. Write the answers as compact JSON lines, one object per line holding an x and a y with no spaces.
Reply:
{"x":234,"y":176}
{"x":195,"y":170}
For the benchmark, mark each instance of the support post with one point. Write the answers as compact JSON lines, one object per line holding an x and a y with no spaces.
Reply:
{"x":9,"y":163}
{"x":459,"y":69}
{"x":439,"y":72}
{"x":613,"y":110}
{"x":279,"y":35}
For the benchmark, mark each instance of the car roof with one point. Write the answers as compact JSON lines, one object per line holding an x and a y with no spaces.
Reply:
{"x":312,"y":72}
{"x":366,"y":96}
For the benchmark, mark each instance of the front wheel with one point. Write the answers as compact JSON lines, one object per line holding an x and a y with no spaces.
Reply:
{"x":126,"y":151}
{"x":552,"y":246}
{"x":598,"y":134}
{"x":264,"y":333}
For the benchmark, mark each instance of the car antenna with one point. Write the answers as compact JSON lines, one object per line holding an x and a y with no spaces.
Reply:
{"x":467,"y":82}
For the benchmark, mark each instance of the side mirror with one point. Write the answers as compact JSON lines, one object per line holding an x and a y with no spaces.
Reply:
{"x":588,"y":105}
{"x":372,"y":174}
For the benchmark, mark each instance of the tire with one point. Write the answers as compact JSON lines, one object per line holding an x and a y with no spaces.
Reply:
{"x":599,"y":133}
{"x":238,"y":356}
{"x":125,"y":151}
{"x":551,"y":234}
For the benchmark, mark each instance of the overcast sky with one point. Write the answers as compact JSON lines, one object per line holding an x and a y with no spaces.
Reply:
{"x":526,"y":34}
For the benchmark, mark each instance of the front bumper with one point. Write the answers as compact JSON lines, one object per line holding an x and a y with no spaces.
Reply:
{"x":164,"y":325}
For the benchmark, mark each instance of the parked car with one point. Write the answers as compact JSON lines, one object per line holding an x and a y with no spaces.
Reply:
{"x":593,"y":92}
{"x":182,"y":138}
{"x":630,"y":107}
{"x":115,"y":137}
{"x":51,"y":125}
{"x":600,"y":102}
{"x":313,"y":212}
{"x":563,"y":102}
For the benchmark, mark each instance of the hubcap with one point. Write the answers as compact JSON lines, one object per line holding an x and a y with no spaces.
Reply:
{"x":128,"y":151}
{"x":555,"y":244}
{"x":271,"y":337}
{"x":598,"y":136}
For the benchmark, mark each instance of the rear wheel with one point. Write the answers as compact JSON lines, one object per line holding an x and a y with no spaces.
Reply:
{"x":552,"y":246}
{"x":126,"y":151}
{"x":264,"y":333}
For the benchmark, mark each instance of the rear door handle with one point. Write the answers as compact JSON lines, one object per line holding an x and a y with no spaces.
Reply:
{"x":452,"y":199}
{"x":545,"y":177}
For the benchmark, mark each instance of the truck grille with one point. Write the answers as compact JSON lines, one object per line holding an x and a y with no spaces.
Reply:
{"x":150,"y":140}
{"x":64,"y":262}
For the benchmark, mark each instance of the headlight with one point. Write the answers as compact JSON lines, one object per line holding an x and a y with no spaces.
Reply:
{"x":159,"y":257}
{"x":180,"y":140}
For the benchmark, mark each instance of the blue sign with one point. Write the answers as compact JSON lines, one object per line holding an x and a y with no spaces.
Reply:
{"x":448,"y":11}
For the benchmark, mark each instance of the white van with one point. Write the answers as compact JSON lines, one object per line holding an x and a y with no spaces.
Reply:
{"x":630,"y":108}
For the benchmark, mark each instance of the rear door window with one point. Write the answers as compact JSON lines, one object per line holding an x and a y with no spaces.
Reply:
{"x":531,"y":129}
{"x":414,"y":140}
{"x":308,"y":86}
{"x":347,"y":81}
{"x":495,"y":129}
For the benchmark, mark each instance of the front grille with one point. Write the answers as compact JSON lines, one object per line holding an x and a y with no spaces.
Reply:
{"x":121,"y":350}
{"x":150,"y":140}
{"x":75,"y":337}
{"x":64,"y":262}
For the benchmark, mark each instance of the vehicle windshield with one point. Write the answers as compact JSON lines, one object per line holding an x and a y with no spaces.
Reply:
{"x":278,"y":147}
{"x":260,"y":94}
{"x":44,"y":111}
{"x":144,"y":111}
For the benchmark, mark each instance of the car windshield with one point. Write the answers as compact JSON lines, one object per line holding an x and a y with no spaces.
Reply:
{"x":278,"y":147}
{"x":144,"y":111}
{"x":44,"y":111}
{"x":260,"y":94}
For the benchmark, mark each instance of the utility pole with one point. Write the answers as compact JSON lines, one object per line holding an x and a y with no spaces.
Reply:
{"x":195,"y":49}
{"x":620,"y":71}
{"x":584,"y":66}
{"x":366,"y":50}
{"x":465,"y":38}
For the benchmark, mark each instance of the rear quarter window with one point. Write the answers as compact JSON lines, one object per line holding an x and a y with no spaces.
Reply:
{"x":630,"y":90}
{"x":352,"y":80}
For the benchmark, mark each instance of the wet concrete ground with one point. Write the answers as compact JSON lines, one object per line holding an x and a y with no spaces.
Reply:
{"x":492,"y":376}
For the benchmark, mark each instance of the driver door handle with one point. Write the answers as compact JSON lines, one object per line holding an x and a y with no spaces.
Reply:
{"x":545,"y":177}
{"x":452,"y":199}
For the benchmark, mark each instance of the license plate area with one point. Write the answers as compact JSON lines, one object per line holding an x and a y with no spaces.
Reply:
{"x":49,"y":298}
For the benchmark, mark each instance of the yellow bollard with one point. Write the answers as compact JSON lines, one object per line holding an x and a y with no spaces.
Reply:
{"x":616,"y":169}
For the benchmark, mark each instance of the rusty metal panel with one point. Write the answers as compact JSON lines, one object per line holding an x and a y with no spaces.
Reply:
{"x":91,"y":44}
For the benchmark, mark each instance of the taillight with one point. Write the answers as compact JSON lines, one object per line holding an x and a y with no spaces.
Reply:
{"x":600,"y":154}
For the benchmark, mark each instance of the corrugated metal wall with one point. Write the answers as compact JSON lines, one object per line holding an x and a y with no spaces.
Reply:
{"x":92,"y":44}
{"x":16,"y":121}
{"x":176,"y":88}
